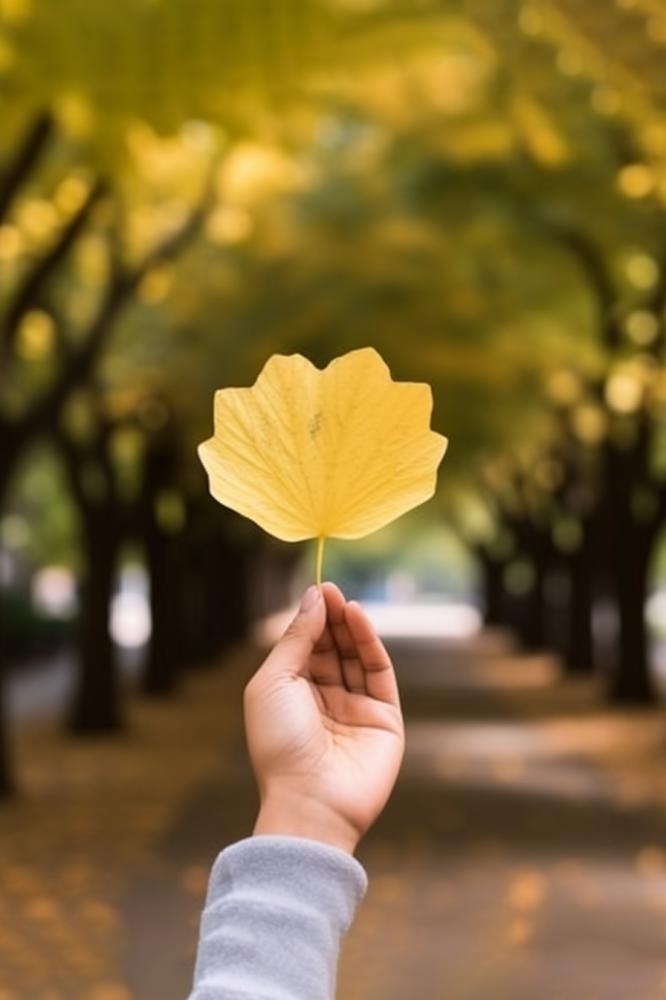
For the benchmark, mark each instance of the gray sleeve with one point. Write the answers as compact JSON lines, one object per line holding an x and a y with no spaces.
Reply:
{"x":275,"y":913}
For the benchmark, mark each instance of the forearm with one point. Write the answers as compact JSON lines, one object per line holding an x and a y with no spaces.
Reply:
{"x":276,"y":910}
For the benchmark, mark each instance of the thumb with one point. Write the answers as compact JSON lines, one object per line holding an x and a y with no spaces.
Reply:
{"x":298,"y":641}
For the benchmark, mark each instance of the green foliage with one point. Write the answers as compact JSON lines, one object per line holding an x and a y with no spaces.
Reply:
{"x":41,"y":500}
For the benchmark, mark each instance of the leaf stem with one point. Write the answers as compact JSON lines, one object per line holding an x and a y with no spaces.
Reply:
{"x":320,"y":558}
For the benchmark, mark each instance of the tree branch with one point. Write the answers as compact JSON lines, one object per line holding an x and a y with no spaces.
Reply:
{"x":25,"y":159}
{"x":36,"y":278}
{"x":72,"y":458}
{"x":657,"y":305}
{"x":121,"y":288}
{"x":593,"y":266}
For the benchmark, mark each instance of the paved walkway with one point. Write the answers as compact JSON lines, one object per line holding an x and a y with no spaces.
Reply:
{"x":522,"y":855}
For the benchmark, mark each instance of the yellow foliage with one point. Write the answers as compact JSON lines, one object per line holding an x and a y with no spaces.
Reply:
{"x":539,"y":132}
{"x":36,"y":336}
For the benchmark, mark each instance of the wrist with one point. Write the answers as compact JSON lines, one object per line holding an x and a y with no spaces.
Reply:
{"x":295,"y":815}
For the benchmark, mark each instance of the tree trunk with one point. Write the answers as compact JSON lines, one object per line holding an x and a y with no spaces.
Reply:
{"x":6,"y":771}
{"x":492,"y":583}
{"x":535,"y":626}
{"x":536,"y":613}
{"x":225,"y":597}
{"x":631,"y":679}
{"x":163,"y":661}
{"x":7,"y":786}
{"x":231,"y":585}
{"x":579,"y":649}
{"x":96,"y":704}
{"x":192,"y":613}
{"x":630,"y":542}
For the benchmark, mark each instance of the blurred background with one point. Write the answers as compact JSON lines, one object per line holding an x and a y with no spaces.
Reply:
{"x":478,"y":190}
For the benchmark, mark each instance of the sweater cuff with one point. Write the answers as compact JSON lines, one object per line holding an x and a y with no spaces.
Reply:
{"x":323,"y":877}
{"x":276,"y":910}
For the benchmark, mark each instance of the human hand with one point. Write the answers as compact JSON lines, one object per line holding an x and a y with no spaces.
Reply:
{"x":324,"y":725}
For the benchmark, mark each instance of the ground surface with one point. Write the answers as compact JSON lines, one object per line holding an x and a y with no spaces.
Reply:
{"x":522,"y":855}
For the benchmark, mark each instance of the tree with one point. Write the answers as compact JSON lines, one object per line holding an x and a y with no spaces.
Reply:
{"x":89,"y":466}
{"x":33,"y":319}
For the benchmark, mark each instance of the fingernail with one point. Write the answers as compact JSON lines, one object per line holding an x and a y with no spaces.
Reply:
{"x":310,"y":598}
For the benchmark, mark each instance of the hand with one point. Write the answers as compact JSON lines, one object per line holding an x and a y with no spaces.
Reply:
{"x":324,"y":725}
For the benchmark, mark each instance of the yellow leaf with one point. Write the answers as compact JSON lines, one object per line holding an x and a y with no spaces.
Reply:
{"x":336,"y":453}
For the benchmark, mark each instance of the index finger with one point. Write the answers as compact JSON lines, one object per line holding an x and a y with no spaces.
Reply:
{"x":380,"y":679}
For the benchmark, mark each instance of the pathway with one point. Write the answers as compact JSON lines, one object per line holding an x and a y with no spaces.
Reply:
{"x":522,"y":855}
